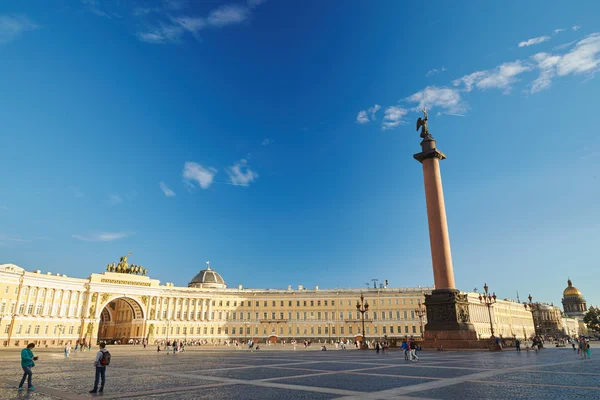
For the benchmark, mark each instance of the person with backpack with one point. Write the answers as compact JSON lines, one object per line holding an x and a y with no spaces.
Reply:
{"x":27,"y":362}
{"x":101,"y":362}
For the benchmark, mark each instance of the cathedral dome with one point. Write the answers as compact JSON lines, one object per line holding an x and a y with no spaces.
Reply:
{"x":207,"y":278}
{"x":571,"y":291}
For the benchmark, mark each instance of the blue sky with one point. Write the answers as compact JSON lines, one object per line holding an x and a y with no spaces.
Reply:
{"x":275,"y":139}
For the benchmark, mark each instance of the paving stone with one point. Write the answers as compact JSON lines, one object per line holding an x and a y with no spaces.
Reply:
{"x":355,"y":382}
{"x":259,"y":373}
{"x":430,"y":372}
{"x":484,"y":391}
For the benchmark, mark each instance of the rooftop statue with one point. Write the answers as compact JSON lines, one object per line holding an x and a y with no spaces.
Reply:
{"x":422,"y":123}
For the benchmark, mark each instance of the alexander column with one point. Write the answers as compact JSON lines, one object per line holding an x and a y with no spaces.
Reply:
{"x":447,"y":309}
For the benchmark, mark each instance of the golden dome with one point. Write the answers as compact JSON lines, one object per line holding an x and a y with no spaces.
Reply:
{"x":571,"y":290}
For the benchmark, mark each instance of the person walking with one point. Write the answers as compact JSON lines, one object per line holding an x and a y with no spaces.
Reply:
{"x":27,"y":362}
{"x":406,"y":349}
{"x":101,"y":361}
{"x":518,"y":344}
{"x":413,"y":351}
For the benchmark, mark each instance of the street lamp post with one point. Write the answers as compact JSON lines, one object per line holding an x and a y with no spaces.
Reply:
{"x":488,"y":300}
{"x":420,"y":311}
{"x":168,"y":328}
{"x":245,"y":323}
{"x":531,"y":307}
{"x":362,"y":306}
{"x":329,"y":330}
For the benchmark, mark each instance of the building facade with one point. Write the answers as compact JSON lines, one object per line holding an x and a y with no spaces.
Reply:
{"x":509,"y":319}
{"x":51,"y":310}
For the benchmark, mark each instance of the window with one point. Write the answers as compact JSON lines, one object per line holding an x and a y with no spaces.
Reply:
{"x":312,"y":330}
{"x":349,"y":302}
{"x":185,"y":315}
{"x":205,"y":330}
{"x":212,"y":330}
{"x":242,"y":303}
{"x":7,"y":328}
{"x":405,"y":314}
{"x":375,"y":328}
{"x":390,"y":315}
{"x":412,"y":315}
{"x":383,"y":315}
{"x":264,"y":315}
{"x":304,"y":303}
{"x":399,"y":329}
{"x":298,"y":303}
{"x":178,"y":329}
{"x":247,"y":330}
{"x":232,"y":331}
{"x":265,"y":303}
{"x":391,"y":329}
{"x":281,"y":303}
{"x":257,"y":304}
{"x":178,"y":314}
{"x":350,"y":329}
{"x":333,"y":302}
{"x":383,"y":330}
{"x":273,"y":315}
{"x":326,"y":302}
{"x":220,"y":303}
{"x":197,"y":330}
{"x":21,"y":308}
{"x":397,"y":302}
{"x":220,"y":315}
{"x":420,"y":329}
{"x":227,"y":304}
{"x":319,"y":330}
{"x":289,"y":305}
{"x":318,"y":302}
{"x":297,"y":315}
{"x":304,"y":315}
{"x":405,"y":328}
{"x":397,"y":314}
{"x":349,"y":314}
{"x":36,"y":330}
{"x":164,"y":330}
{"x":319,"y":315}
{"x":273,"y":303}
{"x":46,"y":330}
{"x":374,"y":315}
{"x":25,"y":290}
{"x":389,"y":302}
{"x":184,"y":330}
{"x":414,"y":329}
{"x":3,"y":307}
{"x":368,"y":330}
{"x":341,"y":315}
{"x":233,"y":316}
{"x":6,"y":289}
{"x":226,"y":330}
{"x":341,"y":330}
{"x":71,"y":330}
{"x":312,"y":315}
{"x":333,"y":330}
{"x":280,"y":315}
{"x":19,"y":329}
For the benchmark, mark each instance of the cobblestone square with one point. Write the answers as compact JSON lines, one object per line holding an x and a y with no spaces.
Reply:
{"x":279,"y":373}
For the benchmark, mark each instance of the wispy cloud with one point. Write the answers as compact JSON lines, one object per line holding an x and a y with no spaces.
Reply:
{"x":533,"y":41}
{"x":169,"y":28}
{"x":166,"y":190}
{"x":92,"y":6}
{"x":194,"y":172}
{"x":75,"y":192}
{"x":267,"y":142}
{"x":393,"y":117}
{"x":559,"y":30}
{"x":448,"y":99}
{"x":115,"y":199}
{"x":240,"y":174}
{"x":434,"y":71}
{"x":576,"y":28}
{"x":501,"y":77}
{"x":583,"y":59}
{"x":6,"y":239}
{"x":13,"y":25}
{"x":103,"y":236}
{"x":365,"y":116}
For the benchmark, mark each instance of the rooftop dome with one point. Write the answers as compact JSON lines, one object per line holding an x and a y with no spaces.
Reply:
{"x":571,"y":290}
{"x":207,"y":278}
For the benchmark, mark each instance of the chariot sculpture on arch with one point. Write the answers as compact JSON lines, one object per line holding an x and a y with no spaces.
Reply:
{"x":124,"y":268}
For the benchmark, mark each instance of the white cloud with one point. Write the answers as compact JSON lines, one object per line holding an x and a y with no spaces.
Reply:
{"x":228,"y":15}
{"x":102,"y":236}
{"x":576,"y":28}
{"x":92,"y":5}
{"x":365,"y":116}
{"x":267,"y":142}
{"x":533,"y":41}
{"x":163,"y":34}
{"x":501,"y":77}
{"x":546,"y":63}
{"x":193,"y":172}
{"x":434,"y":71}
{"x":6,"y":239}
{"x":558,"y":30}
{"x":75,"y":192}
{"x":190,"y":24}
{"x":166,"y":190}
{"x":115,"y":199}
{"x":240,"y":174}
{"x":583,"y":59}
{"x":432,"y":96}
{"x":393,"y":117}
{"x":12,"y":26}
{"x":255,"y":3}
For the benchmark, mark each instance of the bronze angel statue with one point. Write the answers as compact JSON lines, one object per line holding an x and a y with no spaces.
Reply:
{"x":422,"y":123}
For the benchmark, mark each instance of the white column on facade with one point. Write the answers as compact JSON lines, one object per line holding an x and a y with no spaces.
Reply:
{"x":78,"y":307}
{"x":202,"y":309}
{"x":96,"y":311}
{"x":168,"y":308}
{"x":27,"y":299}
{"x":196,"y":309}
{"x":37,"y":300}
{"x":159,"y":307}
{"x":209,"y":316}
{"x":52,"y":301}
{"x":44,"y":301}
